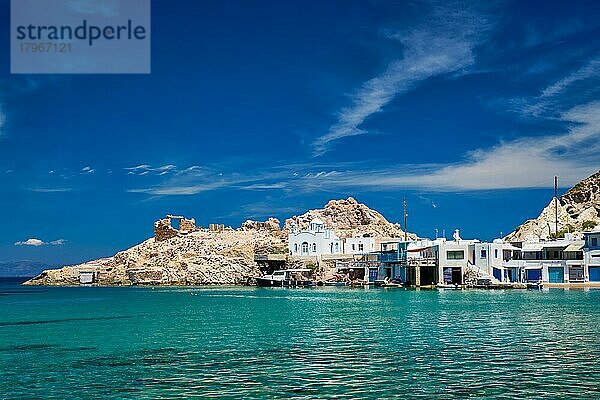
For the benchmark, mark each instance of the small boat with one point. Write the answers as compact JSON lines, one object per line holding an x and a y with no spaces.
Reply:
{"x":286,"y":278}
{"x":387,"y":282}
{"x":535,"y":285}
{"x":392,"y":285}
{"x":334,"y":283}
{"x":449,"y":286}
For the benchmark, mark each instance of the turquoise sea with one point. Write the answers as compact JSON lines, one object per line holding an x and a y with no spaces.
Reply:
{"x":240,"y":342}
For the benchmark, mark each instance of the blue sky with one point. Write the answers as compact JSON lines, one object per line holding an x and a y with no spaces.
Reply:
{"x":258,"y":109}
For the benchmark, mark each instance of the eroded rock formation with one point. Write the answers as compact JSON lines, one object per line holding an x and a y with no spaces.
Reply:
{"x":349,"y":218}
{"x":271,"y":225}
{"x":578,"y":210}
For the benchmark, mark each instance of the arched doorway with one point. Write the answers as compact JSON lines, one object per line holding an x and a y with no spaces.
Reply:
{"x":304,"y":248}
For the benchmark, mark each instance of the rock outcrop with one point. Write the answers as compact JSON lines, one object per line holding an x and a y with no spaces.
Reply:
{"x":270,"y":225}
{"x":199,"y":258}
{"x":349,"y":218}
{"x":218,"y":255}
{"x":578,"y":210}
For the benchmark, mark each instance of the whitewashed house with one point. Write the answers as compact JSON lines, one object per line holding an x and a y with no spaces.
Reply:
{"x":454,"y":256}
{"x":497,"y":260}
{"x":315,"y":241}
{"x":359,"y":245}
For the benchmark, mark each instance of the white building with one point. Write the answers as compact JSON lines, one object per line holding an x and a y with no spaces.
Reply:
{"x":454,"y":256}
{"x":554,"y":261}
{"x":359,"y":245}
{"x":496,"y":258}
{"x":316,"y":241}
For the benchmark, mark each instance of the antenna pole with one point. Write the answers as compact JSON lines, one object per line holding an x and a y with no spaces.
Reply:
{"x":405,"y":231}
{"x":556,"y":205}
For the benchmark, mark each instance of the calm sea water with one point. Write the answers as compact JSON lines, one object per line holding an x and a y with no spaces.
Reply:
{"x":305,"y":343}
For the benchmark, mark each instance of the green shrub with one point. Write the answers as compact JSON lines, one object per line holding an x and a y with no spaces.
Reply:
{"x":588,"y":225}
{"x":561,"y":234}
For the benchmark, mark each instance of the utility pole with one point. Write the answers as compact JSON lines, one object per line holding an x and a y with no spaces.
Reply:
{"x":556,"y":205}
{"x":405,"y":231}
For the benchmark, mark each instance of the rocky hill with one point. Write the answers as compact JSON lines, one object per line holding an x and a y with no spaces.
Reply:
{"x":220,"y":255}
{"x":349,"y":218}
{"x":199,"y":258}
{"x":578,"y":210}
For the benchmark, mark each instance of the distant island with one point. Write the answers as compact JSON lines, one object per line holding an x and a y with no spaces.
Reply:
{"x":23,"y":268}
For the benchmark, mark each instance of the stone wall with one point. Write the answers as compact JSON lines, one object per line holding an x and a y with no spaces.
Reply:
{"x":163,"y":230}
{"x":187,"y":225}
{"x":216,"y":227}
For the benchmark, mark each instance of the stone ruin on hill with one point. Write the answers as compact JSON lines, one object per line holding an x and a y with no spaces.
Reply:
{"x":163,"y":229}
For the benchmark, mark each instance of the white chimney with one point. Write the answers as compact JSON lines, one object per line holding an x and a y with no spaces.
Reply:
{"x":456,"y":235}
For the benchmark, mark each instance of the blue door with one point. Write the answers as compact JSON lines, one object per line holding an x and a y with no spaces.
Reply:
{"x":447,"y":275}
{"x":594,"y":274}
{"x":373,"y":275}
{"x":498,"y":274}
{"x":556,"y":275}
{"x":534,"y":275}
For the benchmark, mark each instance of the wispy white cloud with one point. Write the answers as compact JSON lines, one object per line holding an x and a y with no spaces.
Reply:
{"x":180,"y":189}
{"x":577,"y":87}
{"x":195,"y":179}
{"x":264,"y":186}
{"x":87,"y":170}
{"x":50,"y":190}
{"x":591,"y":69}
{"x":441,"y":44}
{"x":37,"y":242}
{"x":147,"y":169}
{"x":141,"y":167}
{"x":527,"y":162}
{"x":523,"y":163}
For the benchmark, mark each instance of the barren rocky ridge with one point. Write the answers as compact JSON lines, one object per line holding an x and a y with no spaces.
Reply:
{"x":205,"y":257}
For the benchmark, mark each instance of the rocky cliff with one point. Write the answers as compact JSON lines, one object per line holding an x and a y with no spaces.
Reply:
{"x":349,"y":218}
{"x":223,"y":256}
{"x":578,"y":210}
